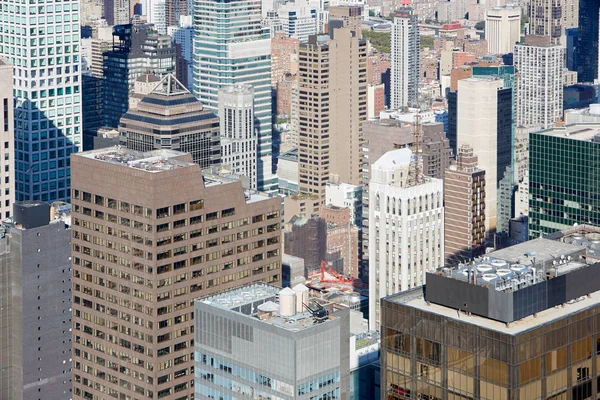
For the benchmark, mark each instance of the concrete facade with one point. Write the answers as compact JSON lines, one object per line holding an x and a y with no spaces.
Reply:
{"x":35,"y":305}
{"x":503,"y":29}
{"x":330,"y":142}
{"x":152,"y":233}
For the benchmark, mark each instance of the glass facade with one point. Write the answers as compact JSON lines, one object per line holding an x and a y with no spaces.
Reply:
{"x":563,"y":182}
{"x":426,"y":355}
{"x":41,"y":40}
{"x":587,"y":58}
{"x":231,"y":47}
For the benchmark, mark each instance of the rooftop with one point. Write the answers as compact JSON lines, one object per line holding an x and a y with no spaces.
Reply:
{"x":394,"y":158}
{"x":587,"y":132}
{"x":151,"y":161}
{"x":290,"y":155}
{"x":414,"y":298}
{"x":273,"y":306}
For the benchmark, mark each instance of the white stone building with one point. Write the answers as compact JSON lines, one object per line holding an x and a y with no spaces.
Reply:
{"x":406,"y":229}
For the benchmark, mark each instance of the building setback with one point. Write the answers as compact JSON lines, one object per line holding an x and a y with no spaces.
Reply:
{"x":35,"y":303}
{"x":464,"y":208}
{"x":170,"y":117}
{"x":150,"y":234}
{"x":270,"y":345}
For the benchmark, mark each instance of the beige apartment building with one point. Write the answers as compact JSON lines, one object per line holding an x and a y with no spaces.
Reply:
{"x":332,"y":106}
{"x":150,"y":235}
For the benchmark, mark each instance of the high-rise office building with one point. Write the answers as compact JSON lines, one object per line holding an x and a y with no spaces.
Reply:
{"x":232,"y":47}
{"x":170,"y":117}
{"x":137,"y":50}
{"x":546,"y":18}
{"x":588,"y":44}
{"x":116,"y":12}
{"x":464,"y":208}
{"x":150,"y":234}
{"x":47,"y":93}
{"x":406,"y":228}
{"x":331,"y":111}
{"x":563,"y":178}
{"x":35,"y":306}
{"x":487,"y":104}
{"x":404,"y":79}
{"x":7,"y":136}
{"x":271,"y":344}
{"x":458,"y":336}
{"x":238,"y":134}
{"x":539,"y":82}
{"x":503,"y":29}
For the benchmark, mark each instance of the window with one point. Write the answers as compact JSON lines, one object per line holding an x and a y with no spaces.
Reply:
{"x":212,"y":216}
{"x":196,"y":205}
{"x":228,"y":212}
{"x":196,"y":220}
{"x":179,"y":209}
{"x":163,"y":212}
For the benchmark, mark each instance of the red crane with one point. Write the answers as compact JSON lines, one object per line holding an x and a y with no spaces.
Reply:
{"x":338,"y":277}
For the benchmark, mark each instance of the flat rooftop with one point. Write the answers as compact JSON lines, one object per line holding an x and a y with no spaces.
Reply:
{"x":151,"y":161}
{"x":588,"y":132}
{"x":261,"y":302}
{"x":414,"y":298}
{"x":290,"y":155}
{"x":542,"y":249}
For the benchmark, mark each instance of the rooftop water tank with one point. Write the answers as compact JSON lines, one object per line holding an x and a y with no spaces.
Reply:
{"x":287,"y":302}
{"x":301,"y":296}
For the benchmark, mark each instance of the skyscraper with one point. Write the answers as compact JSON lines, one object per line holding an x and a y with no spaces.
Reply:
{"x":546,"y":18}
{"x":405,"y":57}
{"x":232,"y":47}
{"x":486,"y":104}
{"x":563,"y":178}
{"x":332,"y":86}
{"x":116,"y":12}
{"x":539,"y":82}
{"x":503,"y":29}
{"x":406,"y":228}
{"x":46,"y":60}
{"x":464,"y":208}
{"x":238,"y":133}
{"x":150,"y":234}
{"x":35,"y":306}
{"x":137,"y":50}
{"x":170,"y":117}
{"x":587,"y":63}
{"x":7,"y":137}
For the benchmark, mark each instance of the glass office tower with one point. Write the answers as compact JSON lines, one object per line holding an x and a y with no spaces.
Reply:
{"x":42,"y":41}
{"x":231,"y":47}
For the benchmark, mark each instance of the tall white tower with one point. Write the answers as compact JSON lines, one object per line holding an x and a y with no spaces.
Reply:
{"x":539,"y":83}
{"x":405,"y":57}
{"x":238,"y":134}
{"x":406,"y":228}
{"x":503,"y":29}
{"x":42,"y":42}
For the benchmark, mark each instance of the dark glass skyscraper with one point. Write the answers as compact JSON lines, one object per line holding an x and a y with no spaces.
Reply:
{"x":587,"y":68}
